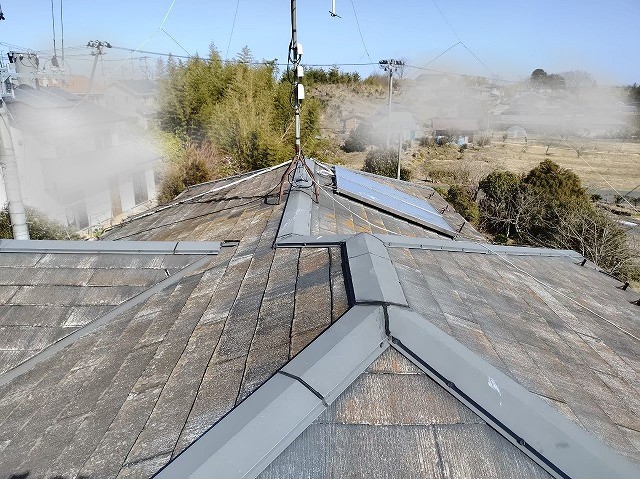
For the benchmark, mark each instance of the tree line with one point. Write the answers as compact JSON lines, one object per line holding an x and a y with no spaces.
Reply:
{"x":547,"y":207}
{"x":217,"y":118}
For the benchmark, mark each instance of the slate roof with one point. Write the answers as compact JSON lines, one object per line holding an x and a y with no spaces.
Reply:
{"x":305,"y":342}
{"x":540,"y":336}
{"x":44,"y":297}
{"x":395,"y":421}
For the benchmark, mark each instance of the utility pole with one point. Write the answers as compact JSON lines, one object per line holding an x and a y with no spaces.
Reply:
{"x":9,"y":168}
{"x":399,"y":152}
{"x":390,"y":66}
{"x":97,"y":47}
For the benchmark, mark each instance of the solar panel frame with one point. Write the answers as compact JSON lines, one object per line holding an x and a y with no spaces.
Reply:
{"x":353,"y":185}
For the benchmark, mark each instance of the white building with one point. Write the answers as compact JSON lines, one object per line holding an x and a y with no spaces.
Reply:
{"x":135,"y":99}
{"x":77,"y":160}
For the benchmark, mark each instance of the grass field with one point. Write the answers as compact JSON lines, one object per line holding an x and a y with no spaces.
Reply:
{"x":604,"y":166}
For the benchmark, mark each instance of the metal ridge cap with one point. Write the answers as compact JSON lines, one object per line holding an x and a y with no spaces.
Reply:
{"x":245,"y":441}
{"x":110,"y":246}
{"x":296,"y":218}
{"x":373,"y":277}
{"x":558,"y":445}
{"x":466,"y":246}
{"x":295,"y":240}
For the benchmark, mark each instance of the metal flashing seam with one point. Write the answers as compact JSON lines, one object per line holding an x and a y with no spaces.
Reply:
{"x":393,"y":241}
{"x":245,"y":441}
{"x":102,"y":247}
{"x":101,"y":321}
{"x":553,"y":441}
{"x":373,"y":277}
{"x":316,"y":241}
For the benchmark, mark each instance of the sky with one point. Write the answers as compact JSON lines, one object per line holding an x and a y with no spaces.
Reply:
{"x":493,"y":38}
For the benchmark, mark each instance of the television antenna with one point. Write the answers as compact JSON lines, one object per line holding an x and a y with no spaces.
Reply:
{"x":298,"y":163}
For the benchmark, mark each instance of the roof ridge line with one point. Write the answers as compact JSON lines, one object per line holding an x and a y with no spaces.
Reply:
{"x":109,"y":246}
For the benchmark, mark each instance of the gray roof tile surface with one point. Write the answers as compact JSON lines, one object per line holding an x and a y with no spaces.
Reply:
{"x":393,"y":421}
{"x":125,"y":399}
{"x":567,"y":353}
{"x":47,"y":297}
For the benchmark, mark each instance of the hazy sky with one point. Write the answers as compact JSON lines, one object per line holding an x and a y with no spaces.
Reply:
{"x":511,"y":38}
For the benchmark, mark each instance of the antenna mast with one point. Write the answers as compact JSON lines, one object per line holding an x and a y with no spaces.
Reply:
{"x":295,"y":57}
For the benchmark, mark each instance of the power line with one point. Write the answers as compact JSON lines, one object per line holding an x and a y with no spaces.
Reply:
{"x":166,"y":16}
{"x":445,"y":51}
{"x":233,"y":26}
{"x":53,"y":24}
{"x":176,"y":42}
{"x":459,"y":39}
{"x":598,"y":173}
{"x":360,"y":31}
{"x":62,"y":31}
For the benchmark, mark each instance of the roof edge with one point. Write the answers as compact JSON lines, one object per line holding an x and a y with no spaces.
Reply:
{"x":102,"y":247}
{"x":558,"y":445}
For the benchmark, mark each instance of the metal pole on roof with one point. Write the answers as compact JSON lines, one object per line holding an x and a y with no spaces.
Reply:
{"x":295,"y":57}
{"x":9,"y":168}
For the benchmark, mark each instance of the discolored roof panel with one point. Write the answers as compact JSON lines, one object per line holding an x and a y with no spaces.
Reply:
{"x":126,"y":398}
{"x":529,"y":318}
{"x":45,"y":297}
{"x":394,"y":421}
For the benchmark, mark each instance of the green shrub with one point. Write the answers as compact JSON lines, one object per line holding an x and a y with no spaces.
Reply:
{"x":384,"y":162}
{"x":41,"y":227}
{"x":461,"y":199}
{"x":359,"y":138}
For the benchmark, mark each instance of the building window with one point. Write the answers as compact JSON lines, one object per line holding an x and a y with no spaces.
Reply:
{"x":77,"y":216}
{"x":114,"y":192}
{"x":140,"y":188}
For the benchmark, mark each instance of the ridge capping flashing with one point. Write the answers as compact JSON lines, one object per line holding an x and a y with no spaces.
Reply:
{"x":104,"y":247}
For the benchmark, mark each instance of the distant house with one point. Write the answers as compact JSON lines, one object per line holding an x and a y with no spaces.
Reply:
{"x":81,"y":85}
{"x":351,"y":122}
{"x":135,"y":99}
{"x":400,"y":120}
{"x":76,"y":160}
{"x":464,"y":128}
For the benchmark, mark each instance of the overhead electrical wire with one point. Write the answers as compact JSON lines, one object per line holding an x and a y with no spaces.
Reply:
{"x":177,"y":42}
{"x":460,"y":39}
{"x":355,"y":14}
{"x":62,"y":31}
{"x":233,"y":26}
{"x":151,"y":35}
{"x":53,"y":24}
{"x":598,"y":173}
